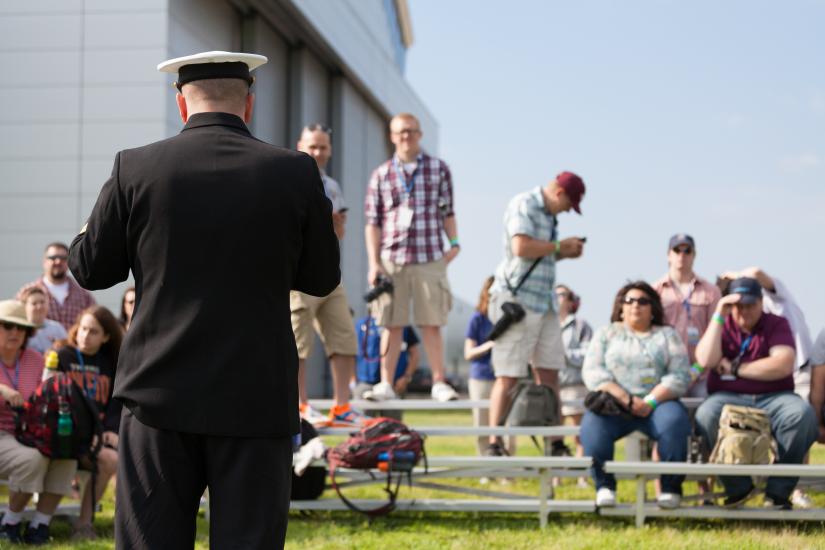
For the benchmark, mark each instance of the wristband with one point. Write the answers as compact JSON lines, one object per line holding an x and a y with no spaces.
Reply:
{"x":558,"y":246}
{"x":651,"y":401}
{"x":454,"y":242}
{"x":697,"y":368}
{"x":718,"y":318}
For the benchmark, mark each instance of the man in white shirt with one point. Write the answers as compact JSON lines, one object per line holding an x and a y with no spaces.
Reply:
{"x":66,"y":298}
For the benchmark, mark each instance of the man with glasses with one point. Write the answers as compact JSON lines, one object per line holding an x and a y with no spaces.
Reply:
{"x":526,"y":276}
{"x":689,"y":300}
{"x":330,"y":315}
{"x":66,"y":298}
{"x":409,"y":205}
{"x":750,"y":357}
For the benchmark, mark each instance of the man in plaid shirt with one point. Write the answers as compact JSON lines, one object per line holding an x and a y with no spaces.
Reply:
{"x":66,"y":298}
{"x":409,"y":205}
{"x":527,"y":275}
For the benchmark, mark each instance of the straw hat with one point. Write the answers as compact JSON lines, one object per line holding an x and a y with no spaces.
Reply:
{"x":12,"y":311}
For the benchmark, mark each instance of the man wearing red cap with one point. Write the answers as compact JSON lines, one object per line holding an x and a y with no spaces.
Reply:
{"x":527,"y":276}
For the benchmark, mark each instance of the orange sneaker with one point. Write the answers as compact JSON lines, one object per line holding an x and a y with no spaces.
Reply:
{"x":344,"y":416}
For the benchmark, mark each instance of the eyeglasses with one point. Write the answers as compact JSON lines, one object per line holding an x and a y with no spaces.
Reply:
{"x":683,"y":250}
{"x":55,"y":257}
{"x":11,"y":326}
{"x":562,"y":295}
{"x":408,"y":132}
{"x":641,"y":301}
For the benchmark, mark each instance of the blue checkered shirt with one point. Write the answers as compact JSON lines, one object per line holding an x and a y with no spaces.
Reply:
{"x":526,"y":215}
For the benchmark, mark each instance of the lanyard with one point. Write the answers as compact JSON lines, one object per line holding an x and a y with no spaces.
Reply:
{"x":16,"y":380}
{"x":744,"y":347}
{"x":402,"y":175}
{"x":89,"y":394}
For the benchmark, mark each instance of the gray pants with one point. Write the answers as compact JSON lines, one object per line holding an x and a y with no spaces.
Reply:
{"x":793,"y":425}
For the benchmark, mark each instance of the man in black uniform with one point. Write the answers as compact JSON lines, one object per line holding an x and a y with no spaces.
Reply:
{"x":217,"y":228}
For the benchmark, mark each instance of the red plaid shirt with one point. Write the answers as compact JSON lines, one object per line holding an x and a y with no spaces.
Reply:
{"x":77,"y":300}
{"x":430,"y":199}
{"x":27,"y":378}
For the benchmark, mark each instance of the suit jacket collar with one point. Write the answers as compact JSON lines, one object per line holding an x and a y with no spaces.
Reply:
{"x":200,"y":120}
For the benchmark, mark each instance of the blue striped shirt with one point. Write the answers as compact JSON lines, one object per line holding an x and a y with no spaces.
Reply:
{"x":526,"y":215}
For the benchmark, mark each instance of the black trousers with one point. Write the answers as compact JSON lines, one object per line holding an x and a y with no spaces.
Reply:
{"x":162,"y":475}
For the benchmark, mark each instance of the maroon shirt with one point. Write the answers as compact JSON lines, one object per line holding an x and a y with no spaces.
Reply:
{"x":771,"y":330}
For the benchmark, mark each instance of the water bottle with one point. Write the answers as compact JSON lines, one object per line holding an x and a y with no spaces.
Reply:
{"x":64,"y":421}
{"x":51,"y":364}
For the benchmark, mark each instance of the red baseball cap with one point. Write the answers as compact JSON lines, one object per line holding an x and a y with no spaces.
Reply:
{"x":573,"y":187}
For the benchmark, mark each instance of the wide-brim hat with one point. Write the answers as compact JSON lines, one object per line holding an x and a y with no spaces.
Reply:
{"x":12,"y":311}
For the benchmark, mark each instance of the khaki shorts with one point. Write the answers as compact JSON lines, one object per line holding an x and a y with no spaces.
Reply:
{"x":425,"y":285}
{"x":573,"y":393}
{"x":535,"y":340}
{"x":329,"y":316}
{"x":28,"y":471}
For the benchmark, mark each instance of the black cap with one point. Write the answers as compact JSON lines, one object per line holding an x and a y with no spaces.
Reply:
{"x":748,"y":289}
{"x":680,"y":239}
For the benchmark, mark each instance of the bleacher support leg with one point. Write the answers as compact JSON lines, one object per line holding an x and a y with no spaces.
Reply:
{"x":641,"y":494}
{"x":544,"y":485}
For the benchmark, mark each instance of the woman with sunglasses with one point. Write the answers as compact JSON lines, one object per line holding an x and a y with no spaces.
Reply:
{"x":90,"y":358}
{"x":127,"y":308}
{"x":644,"y":366}
{"x":26,"y":470}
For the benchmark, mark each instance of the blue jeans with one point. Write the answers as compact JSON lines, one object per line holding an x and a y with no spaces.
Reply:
{"x":668,"y":424}
{"x":793,"y":424}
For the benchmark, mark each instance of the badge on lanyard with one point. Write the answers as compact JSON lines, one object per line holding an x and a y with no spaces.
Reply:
{"x":693,"y":335}
{"x":405,"y":216}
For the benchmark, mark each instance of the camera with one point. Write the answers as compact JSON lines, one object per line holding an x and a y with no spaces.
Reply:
{"x":511,"y":312}
{"x":382,"y":285}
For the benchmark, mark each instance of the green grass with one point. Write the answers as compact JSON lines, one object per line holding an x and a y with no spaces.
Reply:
{"x":334,"y":530}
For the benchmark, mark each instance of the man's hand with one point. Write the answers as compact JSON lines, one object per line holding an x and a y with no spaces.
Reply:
{"x":724,"y":305}
{"x":724,"y":367}
{"x":640,"y":408}
{"x":12,"y":396}
{"x":111,"y":439}
{"x":571,"y":247}
{"x":450,"y":255}
{"x":374,"y":272}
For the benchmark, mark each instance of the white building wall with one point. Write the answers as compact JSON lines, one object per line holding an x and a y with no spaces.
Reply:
{"x":80,"y":83}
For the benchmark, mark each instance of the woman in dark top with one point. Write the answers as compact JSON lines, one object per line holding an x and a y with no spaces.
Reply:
{"x":127,"y":308}
{"x":90,"y":358}
{"x":477,"y":351}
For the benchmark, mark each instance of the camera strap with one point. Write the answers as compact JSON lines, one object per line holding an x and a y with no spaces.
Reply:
{"x":515,"y":290}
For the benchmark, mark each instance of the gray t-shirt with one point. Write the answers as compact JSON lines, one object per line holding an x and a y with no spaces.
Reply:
{"x":46,"y":335}
{"x":818,"y":351}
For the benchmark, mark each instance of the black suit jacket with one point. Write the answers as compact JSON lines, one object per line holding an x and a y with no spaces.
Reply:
{"x":217,"y":228}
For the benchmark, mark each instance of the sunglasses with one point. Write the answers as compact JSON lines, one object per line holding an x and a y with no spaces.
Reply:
{"x":54,"y":257}
{"x":11,"y":326}
{"x":640,"y":301}
{"x":683,"y":250}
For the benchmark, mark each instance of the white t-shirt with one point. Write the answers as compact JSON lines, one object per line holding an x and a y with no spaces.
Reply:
{"x":782,"y":303}
{"x":60,"y":291}
{"x":333,"y":192}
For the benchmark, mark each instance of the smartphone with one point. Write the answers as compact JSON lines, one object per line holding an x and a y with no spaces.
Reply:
{"x":583,"y":239}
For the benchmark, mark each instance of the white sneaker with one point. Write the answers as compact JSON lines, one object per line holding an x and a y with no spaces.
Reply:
{"x":443,"y":392}
{"x":669,"y":501}
{"x":801,"y":500}
{"x":313,"y":415}
{"x":605,"y":498}
{"x":382,"y":391}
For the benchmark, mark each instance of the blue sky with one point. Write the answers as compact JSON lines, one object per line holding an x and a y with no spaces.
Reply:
{"x":699,"y":117}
